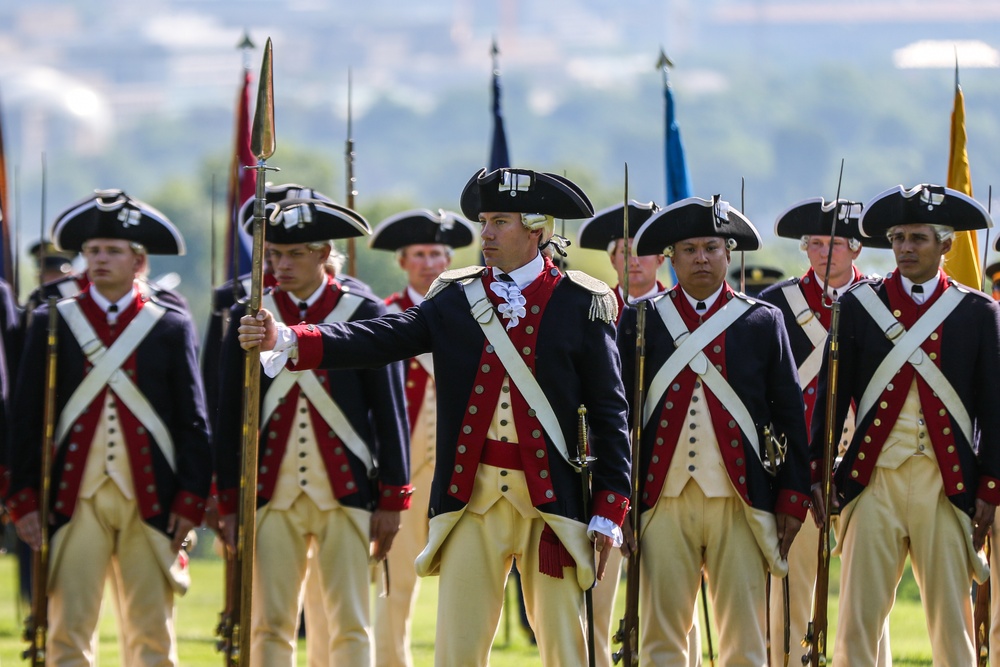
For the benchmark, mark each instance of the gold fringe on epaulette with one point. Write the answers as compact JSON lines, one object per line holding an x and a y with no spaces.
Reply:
{"x":604,"y":307}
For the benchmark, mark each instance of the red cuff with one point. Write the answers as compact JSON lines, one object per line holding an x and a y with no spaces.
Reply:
{"x":310,"y":347}
{"x":793,"y":503}
{"x":229,"y":501}
{"x":4,"y":482}
{"x":815,"y":471}
{"x":989,"y":490}
{"x":23,"y":502}
{"x":394,"y":498}
{"x":189,"y":506}
{"x":610,"y":505}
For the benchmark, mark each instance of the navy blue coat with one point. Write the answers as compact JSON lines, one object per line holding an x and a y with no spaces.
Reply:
{"x":970,"y":360}
{"x":372,"y":399}
{"x":576,"y":363}
{"x":761,"y":370}
{"x":166,"y":373}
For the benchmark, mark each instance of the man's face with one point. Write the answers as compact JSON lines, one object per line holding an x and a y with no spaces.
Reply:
{"x":112,"y":264}
{"x":297,"y":269}
{"x":918,"y":251}
{"x":701,"y":264}
{"x":641,"y":271}
{"x":506,"y":243}
{"x":423,"y":262}
{"x":841,"y":259}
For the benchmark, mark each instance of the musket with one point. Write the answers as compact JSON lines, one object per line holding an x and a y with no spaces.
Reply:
{"x":628,"y":628}
{"x":981,"y":611}
{"x":37,"y":624}
{"x":583,"y":461}
{"x":262,"y":144}
{"x":351,"y":180}
{"x":815,"y":640}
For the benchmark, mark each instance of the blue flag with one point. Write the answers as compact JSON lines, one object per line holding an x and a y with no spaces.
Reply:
{"x":678,"y":178}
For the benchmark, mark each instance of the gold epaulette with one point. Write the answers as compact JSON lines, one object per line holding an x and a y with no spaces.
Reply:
{"x":454,"y":276}
{"x":603,"y":305}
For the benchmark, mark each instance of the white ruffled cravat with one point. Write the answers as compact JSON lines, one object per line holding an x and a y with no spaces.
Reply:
{"x":513,"y":308}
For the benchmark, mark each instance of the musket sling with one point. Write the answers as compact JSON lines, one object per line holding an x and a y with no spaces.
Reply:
{"x":106,"y":364}
{"x":482,"y":312}
{"x":907,"y":350}
{"x":313,"y":389}
{"x":689,"y":353}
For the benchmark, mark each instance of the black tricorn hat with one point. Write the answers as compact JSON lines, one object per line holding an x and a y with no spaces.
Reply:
{"x":609,"y":224}
{"x":276,"y":193}
{"x":692,"y":218}
{"x":112,"y":214}
{"x":309,"y":220}
{"x":813,"y":217}
{"x":524,"y":191}
{"x":757,"y":277}
{"x":922,"y":205}
{"x":422,"y":226}
{"x":992,"y":272}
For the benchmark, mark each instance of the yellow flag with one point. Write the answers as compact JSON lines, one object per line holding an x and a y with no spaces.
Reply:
{"x":962,"y":261}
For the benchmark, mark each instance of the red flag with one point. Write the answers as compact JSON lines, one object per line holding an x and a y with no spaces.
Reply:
{"x":242,"y":185}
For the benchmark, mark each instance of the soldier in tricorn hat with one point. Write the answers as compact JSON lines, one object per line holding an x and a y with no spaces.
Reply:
{"x":713,"y":496}
{"x":424,"y":242}
{"x":518,"y":348}
{"x":333,"y":475}
{"x":921,"y":477}
{"x":807,"y":316}
{"x":132,"y":464}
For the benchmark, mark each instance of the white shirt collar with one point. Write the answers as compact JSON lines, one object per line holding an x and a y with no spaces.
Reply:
{"x":929,"y":287}
{"x":524,"y":275}
{"x":416,"y":297}
{"x":840,"y":289}
{"x":708,"y":302}
{"x":314,"y":297}
{"x":105,"y":302}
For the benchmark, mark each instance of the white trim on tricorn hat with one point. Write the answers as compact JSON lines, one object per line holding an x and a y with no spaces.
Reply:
{"x":508,"y":190}
{"x":695,"y":217}
{"x":422,"y":226}
{"x":309,"y":220}
{"x":276,"y":193}
{"x":608,"y":225}
{"x":112,"y":214}
{"x":813,"y":217}
{"x":924,"y":204}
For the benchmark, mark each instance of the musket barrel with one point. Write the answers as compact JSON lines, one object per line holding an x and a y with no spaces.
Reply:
{"x":37,"y":626}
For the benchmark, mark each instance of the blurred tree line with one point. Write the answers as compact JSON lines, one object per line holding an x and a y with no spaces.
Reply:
{"x":764,"y":137}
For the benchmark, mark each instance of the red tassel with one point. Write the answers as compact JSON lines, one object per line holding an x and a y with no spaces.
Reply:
{"x":552,"y":555}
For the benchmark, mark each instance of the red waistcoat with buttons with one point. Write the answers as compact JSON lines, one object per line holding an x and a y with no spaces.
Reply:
{"x":812,"y":289}
{"x":131,"y":430}
{"x":678,"y":398}
{"x":486,"y":394}
{"x":890,"y":403}
{"x":276,"y":431}
{"x":416,"y":375}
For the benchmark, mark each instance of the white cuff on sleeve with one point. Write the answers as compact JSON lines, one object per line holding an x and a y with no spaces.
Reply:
{"x":287,"y":345}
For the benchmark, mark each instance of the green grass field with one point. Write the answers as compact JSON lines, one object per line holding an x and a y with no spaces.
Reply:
{"x":198,"y":611}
